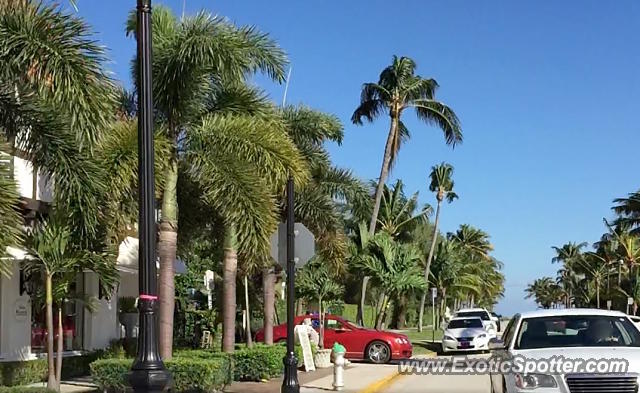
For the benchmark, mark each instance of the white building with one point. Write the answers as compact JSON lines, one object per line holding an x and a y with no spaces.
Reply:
{"x":22,"y":328}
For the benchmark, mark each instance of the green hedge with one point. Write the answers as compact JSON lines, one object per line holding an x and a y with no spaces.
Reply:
{"x":24,"y":389}
{"x":190,"y":374}
{"x":23,"y":372}
{"x":32,"y":371}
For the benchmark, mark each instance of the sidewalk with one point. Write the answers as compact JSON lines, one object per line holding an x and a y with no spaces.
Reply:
{"x":358,"y":378}
{"x":75,"y":385}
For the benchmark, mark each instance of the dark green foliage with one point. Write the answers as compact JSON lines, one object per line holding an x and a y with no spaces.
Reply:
{"x":127,"y":304}
{"x":190,"y":373}
{"x":259,"y":362}
{"x":32,"y":371}
{"x":22,"y":373}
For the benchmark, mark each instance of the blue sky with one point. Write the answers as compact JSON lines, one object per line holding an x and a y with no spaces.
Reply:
{"x":546,"y":92}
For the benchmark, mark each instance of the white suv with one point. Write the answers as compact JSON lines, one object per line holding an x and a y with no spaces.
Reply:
{"x":483,"y":314}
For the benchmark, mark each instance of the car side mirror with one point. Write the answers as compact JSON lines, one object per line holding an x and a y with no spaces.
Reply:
{"x":496,"y":343}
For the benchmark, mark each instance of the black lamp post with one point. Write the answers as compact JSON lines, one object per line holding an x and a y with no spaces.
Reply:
{"x":147,"y":373}
{"x":290,"y":382}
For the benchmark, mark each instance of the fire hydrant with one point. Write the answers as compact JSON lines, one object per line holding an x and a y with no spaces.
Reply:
{"x":338,"y":366}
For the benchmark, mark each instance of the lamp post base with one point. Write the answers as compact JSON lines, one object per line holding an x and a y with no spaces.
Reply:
{"x":290,"y":382}
{"x":150,"y":380}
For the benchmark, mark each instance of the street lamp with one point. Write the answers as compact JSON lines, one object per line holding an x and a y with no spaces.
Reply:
{"x":290,"y":382}
{"x":147,"y":372}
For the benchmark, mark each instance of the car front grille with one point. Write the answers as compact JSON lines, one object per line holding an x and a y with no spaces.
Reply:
{"x":602,"y":383}
{"x":465,"y":339}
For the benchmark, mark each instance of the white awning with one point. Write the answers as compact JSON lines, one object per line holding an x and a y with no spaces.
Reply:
{"x":127,"y":261}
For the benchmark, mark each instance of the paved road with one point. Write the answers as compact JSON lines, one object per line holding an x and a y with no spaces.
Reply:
{"x":440,"y":384}
{"x":429,"y":383}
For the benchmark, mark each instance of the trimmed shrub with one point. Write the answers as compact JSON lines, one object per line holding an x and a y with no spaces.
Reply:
{"x":190,"y":374}
{"x":259,"y":362}
{"x":24,"y":389}
{"x":78,"y":366}
{"x":23,"y":372}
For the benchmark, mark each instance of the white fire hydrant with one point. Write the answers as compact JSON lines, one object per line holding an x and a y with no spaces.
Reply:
{"x":338,"y":366}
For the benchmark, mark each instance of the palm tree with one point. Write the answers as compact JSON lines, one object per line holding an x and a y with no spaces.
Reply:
{"x":597,"y":269}
{"x":51,"y":254}
{"x":194,"y":60}
{"x":628,"y":210}
{"x":569,"y":254}
{"x":393,"y":266}
{"x":317,"y":204}
{"x":442,"y":184}
{"x":315,"y":282}
{"x":544,"y":291}
{"x":398,"y":216}
{"x":55,"y":100}
{"x":10,"y":219}
{"x":398,"y":89}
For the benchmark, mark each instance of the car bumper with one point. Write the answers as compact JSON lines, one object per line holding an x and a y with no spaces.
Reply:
{"x":451,"y":346}
{"x":402,"y":351}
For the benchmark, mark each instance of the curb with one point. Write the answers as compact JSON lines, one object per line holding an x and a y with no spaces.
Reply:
{"x":380,"y":384}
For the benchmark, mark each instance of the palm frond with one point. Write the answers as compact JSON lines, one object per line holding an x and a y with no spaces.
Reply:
{"x":439,"y":114}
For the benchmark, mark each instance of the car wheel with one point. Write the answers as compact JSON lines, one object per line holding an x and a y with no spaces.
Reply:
{"x":378,"y":352}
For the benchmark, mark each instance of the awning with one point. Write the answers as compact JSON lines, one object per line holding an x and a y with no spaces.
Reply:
{"x":127,"y":261}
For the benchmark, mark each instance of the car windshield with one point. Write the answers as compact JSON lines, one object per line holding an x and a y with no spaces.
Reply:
{"x":465,"y":323}
{"x":577,"y":331}
{"x":481,"y":314}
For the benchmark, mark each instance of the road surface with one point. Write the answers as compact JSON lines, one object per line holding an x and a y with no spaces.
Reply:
{"x":440,"y":384}
{"x":429,"y":383}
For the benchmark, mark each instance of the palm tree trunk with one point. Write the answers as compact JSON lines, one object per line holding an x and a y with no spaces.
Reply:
{"x":246,"y":305}
{"x":167,"y":245}
{"x":52,"y":383}
{"x":230,"y":268}
{"x":268,"y":290}
{"x":60,"y":347}
{"x":384,"y":173}
{"x":597,"y":294}
{"x":382,"y":313}
{"x":399,"y":313}
{"x":434,"y":240}
{"x":363,"y":296}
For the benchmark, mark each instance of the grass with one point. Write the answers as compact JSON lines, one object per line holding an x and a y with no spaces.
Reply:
{"x":422,"y":341}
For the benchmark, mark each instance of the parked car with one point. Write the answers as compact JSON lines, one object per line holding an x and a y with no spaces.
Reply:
{"x":376,"y":346}
{"x":465,"y":334}
{"x":488,"y":323}
{"x":579,"y":334}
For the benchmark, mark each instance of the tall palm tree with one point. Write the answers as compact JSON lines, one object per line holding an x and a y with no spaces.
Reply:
{"x":193,"y":59}
{"x":597,"y":269}
{"x":397,"y":90}
{"x":544,"y":291}
{"x":442,"y":184}
{"x":398,"y":216}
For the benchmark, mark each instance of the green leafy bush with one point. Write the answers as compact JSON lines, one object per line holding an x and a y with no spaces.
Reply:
{"x":190,"y":374}
{"x":260,"y":362}
{"x":24,"y":389}
{"x":78,"y":366}
{"x":23,"y":372}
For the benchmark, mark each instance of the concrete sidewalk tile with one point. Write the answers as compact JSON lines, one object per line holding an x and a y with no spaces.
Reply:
{"x":358,"y":377}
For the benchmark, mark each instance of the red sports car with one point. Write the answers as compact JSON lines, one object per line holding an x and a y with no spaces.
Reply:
{"x":376,"y":346}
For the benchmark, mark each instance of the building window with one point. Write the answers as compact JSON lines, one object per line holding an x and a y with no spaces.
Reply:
{"x":72,"y":320}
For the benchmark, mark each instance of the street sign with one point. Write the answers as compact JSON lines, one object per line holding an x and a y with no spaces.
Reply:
{"x":305,"y":245}
{"x":608,"y":304}
{"x":434,"y":293}
{"x":630,"y":301}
